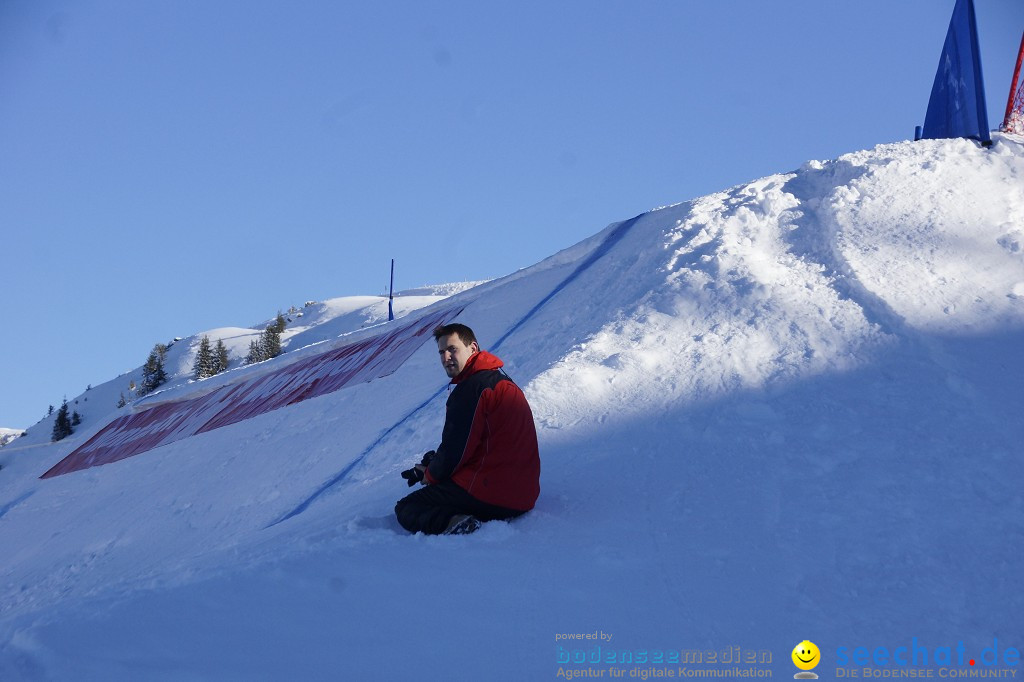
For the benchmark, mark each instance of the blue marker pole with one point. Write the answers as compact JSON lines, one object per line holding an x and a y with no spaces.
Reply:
{"x":391,"y":292}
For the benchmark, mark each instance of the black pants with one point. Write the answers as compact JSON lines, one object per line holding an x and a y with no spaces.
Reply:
{"x":430,"y":508}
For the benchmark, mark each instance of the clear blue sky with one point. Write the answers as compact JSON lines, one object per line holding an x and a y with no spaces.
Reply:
{"x":171,"y":167}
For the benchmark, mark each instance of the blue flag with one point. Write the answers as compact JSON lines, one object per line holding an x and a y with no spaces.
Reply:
{"x":957,"y":105}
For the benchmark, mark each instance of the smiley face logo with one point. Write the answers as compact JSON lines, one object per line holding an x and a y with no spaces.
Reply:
{"x":806,"y":655}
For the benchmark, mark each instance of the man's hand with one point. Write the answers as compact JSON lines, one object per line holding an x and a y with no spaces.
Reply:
{"x":414,"y":475}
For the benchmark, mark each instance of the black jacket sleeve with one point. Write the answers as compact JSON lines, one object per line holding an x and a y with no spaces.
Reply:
{"x":460,"y":410}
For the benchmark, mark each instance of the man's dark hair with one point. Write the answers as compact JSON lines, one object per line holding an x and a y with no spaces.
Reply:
{"x":466,"y":334}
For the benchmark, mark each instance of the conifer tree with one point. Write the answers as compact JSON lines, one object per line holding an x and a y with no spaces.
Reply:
{"x":270,"y":342}
{"x":121,"y":402}
{"x":153,"y":374}
{"x":76,"y":418}
{"x":255,"y":353}
{"x":272,"y":337}
{"x":205,"y":362}
{"x":221,"y":358}
{"x":62,"y":425}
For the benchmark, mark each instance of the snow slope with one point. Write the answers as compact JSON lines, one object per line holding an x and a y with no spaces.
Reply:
{"x":314,"y":323}
{"x":785,"y":411}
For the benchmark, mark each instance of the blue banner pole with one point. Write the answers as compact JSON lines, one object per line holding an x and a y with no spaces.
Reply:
{"x":391,"y":292}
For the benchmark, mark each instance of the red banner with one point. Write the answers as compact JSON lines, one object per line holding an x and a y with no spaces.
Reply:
{"x":333,"y":370}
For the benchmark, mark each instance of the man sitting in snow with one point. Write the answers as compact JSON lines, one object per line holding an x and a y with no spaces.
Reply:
{"x":487,"y":466}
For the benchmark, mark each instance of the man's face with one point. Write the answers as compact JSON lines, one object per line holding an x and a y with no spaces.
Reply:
{"x":454,"y":354}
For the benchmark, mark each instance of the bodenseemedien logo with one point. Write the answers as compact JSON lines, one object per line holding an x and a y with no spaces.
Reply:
{"x":806,"y":656}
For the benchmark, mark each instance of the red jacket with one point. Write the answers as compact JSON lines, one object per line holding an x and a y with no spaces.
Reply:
{"x":489,"y":443}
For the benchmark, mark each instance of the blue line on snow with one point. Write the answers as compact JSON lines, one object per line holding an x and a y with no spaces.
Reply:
{"x":611,"y":240}
{"x":352,"y":465}
{"x":11,"y":505}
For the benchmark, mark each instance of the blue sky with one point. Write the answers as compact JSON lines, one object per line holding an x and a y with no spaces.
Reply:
{"x":171,"y":167}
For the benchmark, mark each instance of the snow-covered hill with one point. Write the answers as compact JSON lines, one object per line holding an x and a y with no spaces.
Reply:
{"x":8,"y":435}
{"x":789,"y":410}
{"x":314,"y":323}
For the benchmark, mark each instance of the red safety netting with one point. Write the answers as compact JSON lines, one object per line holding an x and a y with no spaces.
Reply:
{"x":168,"y":422}
{"x":1013,"y":122}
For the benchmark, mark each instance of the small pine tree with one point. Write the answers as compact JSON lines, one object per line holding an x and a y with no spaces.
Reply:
{"x":76,"y":418}
{"x":149,"y":371}
{"x":271,"y":342}
{"x":205,"y":362}
{"x":272,"y":337}
{"x":255,"y":353}
{"x":61,"y":425}
{"x":221,"y":358}
{"x":121,"y":401}
{"x":153,"y":374}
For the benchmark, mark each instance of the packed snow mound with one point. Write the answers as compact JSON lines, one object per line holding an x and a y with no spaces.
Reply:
{"x":788,"y":408}
{"x":938,"y":253}
{"x":799,"y":274}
